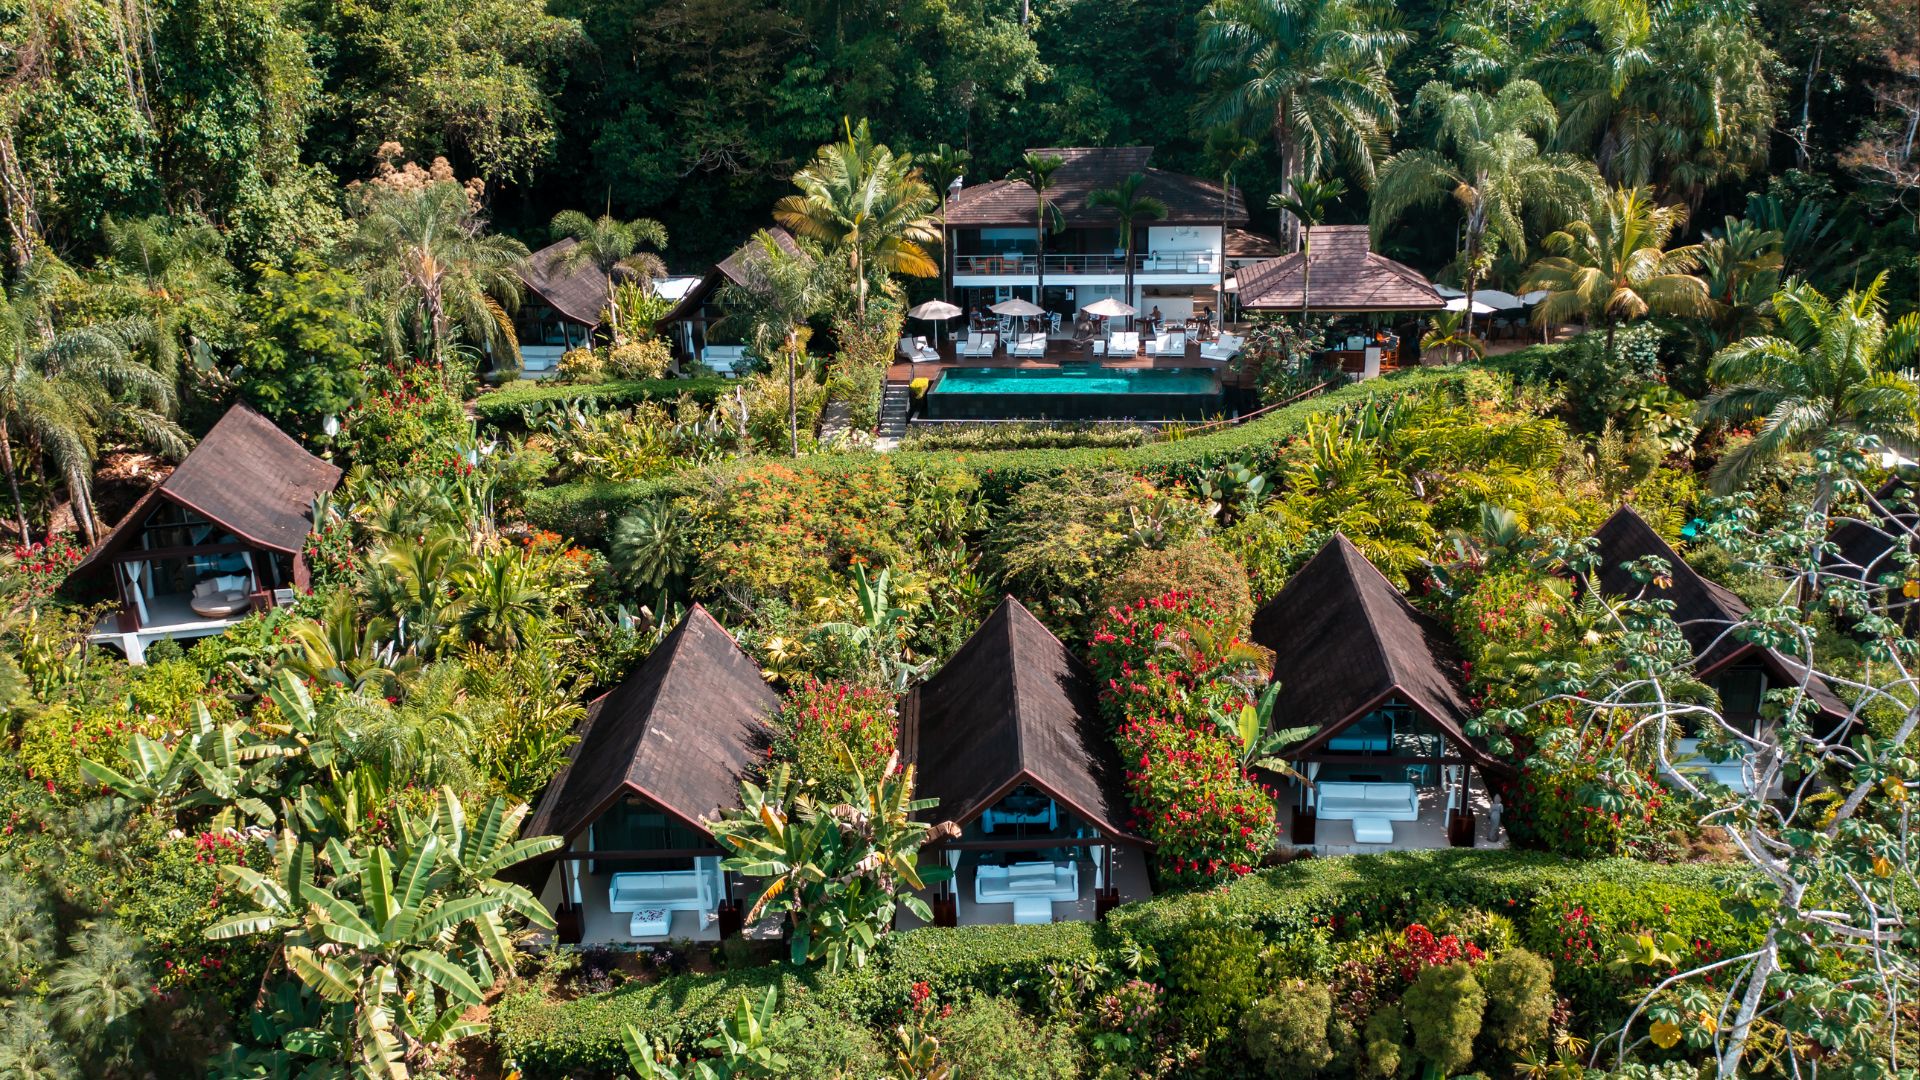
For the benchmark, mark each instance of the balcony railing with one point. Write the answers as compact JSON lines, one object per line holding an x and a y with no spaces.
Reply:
{"x":1164,"y":262}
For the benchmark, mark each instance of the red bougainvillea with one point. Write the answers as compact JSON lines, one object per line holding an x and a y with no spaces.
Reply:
{"x":816,"y":715}
{"x":1165,"y":687}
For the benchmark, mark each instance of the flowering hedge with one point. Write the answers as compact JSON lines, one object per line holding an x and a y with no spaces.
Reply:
{"x":1166,"y":675}
{"x":816,"y":715}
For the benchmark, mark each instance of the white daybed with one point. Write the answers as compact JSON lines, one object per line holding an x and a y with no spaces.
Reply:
{"x":1224,"y":347}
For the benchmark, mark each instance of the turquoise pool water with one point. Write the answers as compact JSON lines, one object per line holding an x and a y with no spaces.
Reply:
{"x":1088,"y":380}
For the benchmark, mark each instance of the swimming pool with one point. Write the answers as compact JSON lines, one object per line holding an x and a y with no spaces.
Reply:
{"x":1090,"y":379}
{"x":1074,"y":392}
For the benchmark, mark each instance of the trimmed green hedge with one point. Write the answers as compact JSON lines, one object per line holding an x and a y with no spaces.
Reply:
{"x":551,"y":1038}
{"x":564,"y":1038}
{"x":586,"y":511}
{"x":506,"y":407}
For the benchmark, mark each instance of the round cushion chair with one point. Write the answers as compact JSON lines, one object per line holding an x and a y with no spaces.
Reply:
{"x":219,"y":597}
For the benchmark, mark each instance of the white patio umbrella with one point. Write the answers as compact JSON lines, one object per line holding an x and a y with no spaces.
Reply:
{"x":936,"y":312}
{"x":1110,"y":308}
{"x":1533,"y":297}
{"x":1018,"y":308}
{"x":1499,"y":301}
{"x":1459,"y":303}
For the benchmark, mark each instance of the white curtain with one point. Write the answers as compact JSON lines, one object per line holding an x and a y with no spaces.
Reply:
{"x":132,"y":568}
{"x":1313,"y":774}
{"x":953,"y":865}
{"x":1099,"y":867}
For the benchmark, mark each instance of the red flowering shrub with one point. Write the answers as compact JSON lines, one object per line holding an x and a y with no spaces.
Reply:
{"x":409,"y":421}
{"x":1385,"y":968}
{"x":818,"y":715}
{"x":1165,"y":674}
{"x":1560,"y":802}
{"x":43,"y":566}
{"x":1505,"y":612}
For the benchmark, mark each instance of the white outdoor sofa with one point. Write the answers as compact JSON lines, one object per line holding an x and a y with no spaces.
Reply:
{"x":647,"y":896}
{"x":1371,"y":807}
{"x":1031,"y":887}
{"x":724,"y":359}
{"x":1224,"y":347}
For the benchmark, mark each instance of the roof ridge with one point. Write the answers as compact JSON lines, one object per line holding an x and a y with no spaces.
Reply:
{"x":1348,"y":553}
{"x":1012,"y":607}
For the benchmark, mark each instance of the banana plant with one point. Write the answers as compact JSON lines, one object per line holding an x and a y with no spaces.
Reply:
{"x":223,"y":766}
{"x":836,"y":873}
{"x":343,"y":649}
{"x":399,"y":941}
{"x":1259,"y":742}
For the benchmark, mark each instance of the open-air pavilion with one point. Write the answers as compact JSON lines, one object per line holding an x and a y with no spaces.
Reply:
{"x":1379,"y":297}
{"x":1741,"y":673}
{"x":1389,"y":764}
{"x":659,"y":757}
{"x":221,"y":537}
{"x":1008,"y":738}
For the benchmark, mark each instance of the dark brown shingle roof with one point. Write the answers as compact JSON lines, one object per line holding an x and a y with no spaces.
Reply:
{"x":1347,"y":276}
{"x":578,"y":292}
{"x":1084,"y":170}
{"x":1703,"y":609}
{"x":1247,"y":244}
{"x":248,"y":477}
{"x":682,"y":731}
{"x":1013,"y":706}
{"x":1345,"y":642}
{"x":1865,"y":550}
{"x":731,"y":269}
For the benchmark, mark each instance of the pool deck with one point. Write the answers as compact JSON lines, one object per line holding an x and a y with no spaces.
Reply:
{"x":1058,"y":349}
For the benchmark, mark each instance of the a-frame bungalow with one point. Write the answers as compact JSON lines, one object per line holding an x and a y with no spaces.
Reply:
{"x":1008,"y":738}
{"x":659,"y":757}
{"x":1389,"y":764}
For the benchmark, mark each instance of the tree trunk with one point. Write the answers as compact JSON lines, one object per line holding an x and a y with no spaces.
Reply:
{"x":13,"y":482}
{"x":1805,"y":130}
{"x":613,"y":309}
{"x":1609,"y":339}
{"x":793,"y":407}
{"x":1306,"y":274}
{"x":1039,"y":249}
{"x":82,"y":506}
{"x":1286,"y":231}
{"x":17,"y":190}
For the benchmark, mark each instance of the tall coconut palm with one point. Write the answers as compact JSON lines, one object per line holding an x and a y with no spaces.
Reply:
{"x":779,"y":292}
{"x":1486,"y":156}
{"x":63,"y":389}
{"x":863,"y":201}
{"x":1314,"y":72}
{"x":173,"y":273}
{"x":943,"y":166}
{"x":1036,"y":171}
{"x":1131,"y":207}
{"x":1832,"y":366}
{"x":1309,"y":203}
{"x":434,"y":273}
{"x":613,"y":247}
{"x":1617,"y":268}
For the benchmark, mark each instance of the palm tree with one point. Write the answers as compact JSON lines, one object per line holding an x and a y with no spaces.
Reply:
{"x":1741,"y":267}
{"x":944,"y":166}
{"x":859,"y":198}
{"x":612,"y":246}
{"x":1486,"y":158}
{"x":63,"y":388}
{"x":1617,"y":268}
{"x":1833,"y":366}
{"x":781,"y":291}
{"x":175,"y":274}
{"x":1312,"y":71}
{"x":1130,"y":206}
{"x":435,"y":273}
{"x":1308,"y":205}
{"x":1449,"y":332}
{"x":1225,"y":150}
{"x":1672,"y":93}
{"x":1036,"y":171}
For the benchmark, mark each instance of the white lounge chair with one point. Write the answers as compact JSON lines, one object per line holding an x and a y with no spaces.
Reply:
{"x":980,"y":345}
{"x":1030,"y":345}
{"x":1224,"y":347}
{"x":1121,"y":343}
{"x":1170,"y":343}
{"x":917,"y":350}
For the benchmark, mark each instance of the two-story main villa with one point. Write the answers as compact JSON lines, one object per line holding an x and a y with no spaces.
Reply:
{"x":991,"y":242}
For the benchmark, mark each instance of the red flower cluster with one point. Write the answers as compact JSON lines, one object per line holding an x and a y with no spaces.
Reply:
{"x":44,"y":565}
{"x":1419,"y":948}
